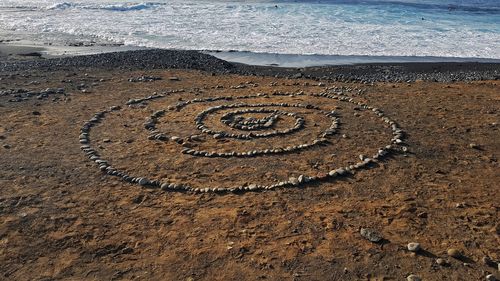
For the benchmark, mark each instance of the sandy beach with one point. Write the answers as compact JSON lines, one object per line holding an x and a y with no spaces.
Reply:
{"x":65,"y":215}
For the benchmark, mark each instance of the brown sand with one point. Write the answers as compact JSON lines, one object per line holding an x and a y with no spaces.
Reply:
{"x":62,"y":219}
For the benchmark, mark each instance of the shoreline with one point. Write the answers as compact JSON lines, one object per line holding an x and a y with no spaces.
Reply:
{"x":315,"y":60}
{"x":25,"y":57}
{"x":18,"y":48}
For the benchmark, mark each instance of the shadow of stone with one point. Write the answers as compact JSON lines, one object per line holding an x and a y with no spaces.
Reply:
{"x":383,"y":242}
{"x":465,"y":259}
{"x":427,"y":254}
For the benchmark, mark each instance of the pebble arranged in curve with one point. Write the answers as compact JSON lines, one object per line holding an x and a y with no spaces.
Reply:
{"x":104,"y":166}
{"x":299,"y":124}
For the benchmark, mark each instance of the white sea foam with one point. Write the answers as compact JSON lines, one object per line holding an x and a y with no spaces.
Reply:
{"x":334,"y":28}
{"x":119,"y":7}
{"x":63,"y":5}
{"x":130,"y":7}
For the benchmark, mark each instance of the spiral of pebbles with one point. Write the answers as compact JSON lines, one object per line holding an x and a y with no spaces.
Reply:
{"x":253,"y":128}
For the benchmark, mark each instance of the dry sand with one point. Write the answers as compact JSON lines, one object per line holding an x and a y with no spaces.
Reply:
{"x":63,"y":219}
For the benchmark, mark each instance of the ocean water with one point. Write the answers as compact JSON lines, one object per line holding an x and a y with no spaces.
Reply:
{"x":429,"y":28}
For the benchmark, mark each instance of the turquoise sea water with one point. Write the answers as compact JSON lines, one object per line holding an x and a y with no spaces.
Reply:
{"x":446,"y":28}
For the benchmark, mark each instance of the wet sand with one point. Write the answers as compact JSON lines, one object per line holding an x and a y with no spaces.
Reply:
{"x":17,"y":52}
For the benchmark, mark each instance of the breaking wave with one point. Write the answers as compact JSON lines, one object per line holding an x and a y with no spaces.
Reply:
{"x":124,"y":7}
{"x":431,"y":28}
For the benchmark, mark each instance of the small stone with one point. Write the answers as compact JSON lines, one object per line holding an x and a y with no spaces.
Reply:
{"x":441,"y":262}
{"x":6,"y":146}
{"x":341,"y":171}
{"x":301,"y":178}
{"x":474,"y":146}
{"x":454,"y":253}
{"x":173,"y":78}
{"x":487,"y":261}
{"x":143,"y":181}
{"x":413,"y":247}
{"x":413,"y":277}
{"x":196,"y":138}
{"x":371,"y":235}
{"x":491,"y":277}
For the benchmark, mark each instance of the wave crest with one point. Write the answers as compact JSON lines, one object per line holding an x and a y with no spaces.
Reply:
{"x":60,"y":6}
{"x":131,"y":7}
{"x":114,"y":7}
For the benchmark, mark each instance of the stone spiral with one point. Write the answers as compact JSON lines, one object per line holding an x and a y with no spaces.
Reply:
{"x":241,"y":119}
